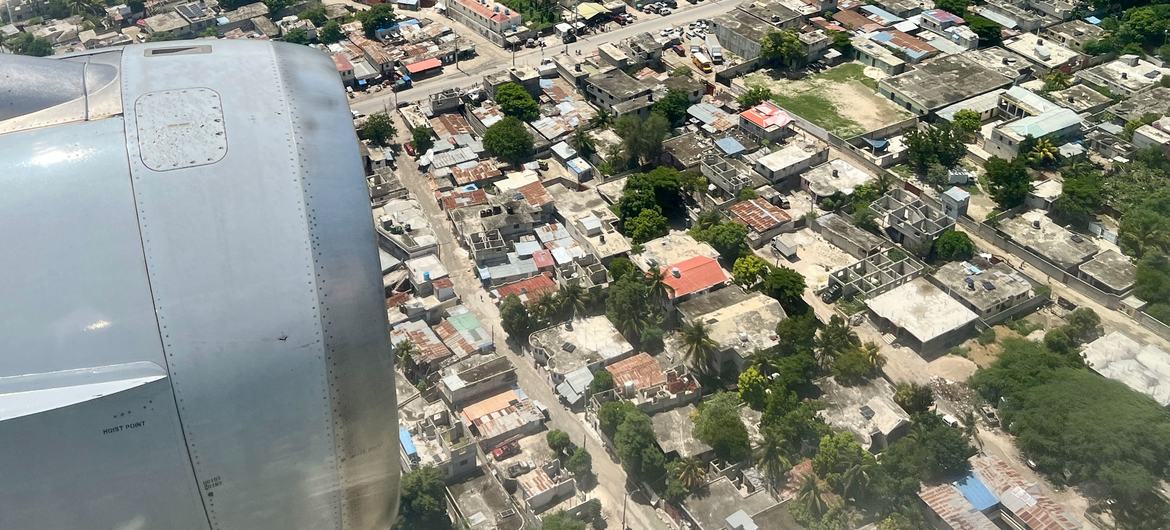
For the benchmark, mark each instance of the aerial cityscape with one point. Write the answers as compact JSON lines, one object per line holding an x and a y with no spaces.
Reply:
{"x":680,"y":265}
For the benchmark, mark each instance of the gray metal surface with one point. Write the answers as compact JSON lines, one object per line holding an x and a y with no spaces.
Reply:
{"x":249,"y":278}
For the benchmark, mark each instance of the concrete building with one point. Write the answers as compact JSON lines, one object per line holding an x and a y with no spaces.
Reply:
{"x":766,"y":121}
{"x":798,"y":154}
{"x":686,"y":151}
{"x":871,"y":53}
{"x":1142,"y":367}
{"x":437,"y":441}
{"x":728,"y":176}
{"x":874,"y":275}
{"x":738,"y":321}
{"x":613,"y":90}
{"x":1073,"y":34}
{"x":726,"y":497}
{"x":836,"y":177}
{"x":403,"y":229}
{"x":740,"y":33}
{"x":1081,"y":99}
{"x":847,"y":236}
{"x":1037,"y":233}
{"x":672,"y":248}
{"x":587,"y":217}
{"x":674,"y":430}
{"x":1154,"y":100}
{"x":912,"y":220}
{"x":940,"y":82}
{"x":424,"y":271}
{"x":1055,"y":125}
{"x":867,"y":411}
{"x":922,"y":316}
{"x":1109,"y":271}
{"x":692,"y":277}
{"x":475,"y":377}
{"x":484,"y":503}
{"x":588,"y":343}
{"x":984,"y":288}
{"x":463,"y":334}
{"x":428,"y":354}
{"x":545,"y":485}
{"x":1155,"y":135}
{"x":904,"y":44}
{"x":1014,"y":16}
{"x":501,"y":417}
{"x":1125,"y":76}
{"x":763,"y":219}
{"x":1045,"y":54}
{"x":491,"y":20}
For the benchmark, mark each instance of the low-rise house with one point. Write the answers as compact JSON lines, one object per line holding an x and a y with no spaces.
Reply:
{"x":725,"y":498}
{"x":1155,"y":135}
{"x":797,"y":155}
{"x":545,"y":485}
{"x":904,"y":44}
{"x":740,"y":33}
{"x":922,"y":316}
{"x":428,"y":354}
{"x":763,"y":219}
{"x":474,"y":377}
{"x":424,"y":271}
{"x":514,"y":268}
{"x":674,"y":429}
{"x":686,"y":151}
{"x":1037,"y":233}
{"x":529,"y":291}
{"x":766,"y":121}
{"x":1046,"y":54}
{"x":1073,"y":34}
{"x":502,"y":417}
{"x":902,"y":8}
{"x":493,"y":21}
{"x":1142,"y":367}
{"x":692,"y":277}
{"x":1043,"y":194}
{"x":874,"y":275}
{"x":836,"y":177}
{"x":985,"y":288}
{"x":1125,"y":76}
{"x":589,"y":220}
{"x":582,"y":346}
{"x":463,"y":333}
{"x":870,"y":53}
{"x":739,"y":322}
{"x":847,"y":236}
{"x":729,"y":176}
{"x":613,"y":88}
{"x":642,"y":381}
{"x":438,"y":442}
{"x":404,"y":229}
{"x":1019,"y":503}
{"x":484,"y":504}
{"x":940,"y":82}
{"x":914,"y":221}
{"x":1109,"y":271}
{"x":867,"y":411}
{"x":1014,"y":16}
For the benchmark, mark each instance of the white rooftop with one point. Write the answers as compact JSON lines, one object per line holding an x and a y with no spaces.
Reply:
{"x":1142,"y":367}
{"x":922,"y":309}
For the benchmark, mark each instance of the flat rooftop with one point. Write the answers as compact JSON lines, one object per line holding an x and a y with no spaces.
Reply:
{"x":744,"y":24}
{"x":1142,"y":367}
{"x":674,"y":430}
{"x":724,"y":498}
{"x":1127,"y":72}
{"x":1111,"y":268}
{"x":618,"y":84}
{"x":835,"y":176}
{"x":796,"y":151}
{"x":985,"y":288}
{"x":591,"y":340}
{"x":671,"y":248}
{"x":1050,"y":240}
{"x":1040,"y":50}
{"x":1156,"y":100}
{"x":921,"y":309}
{"x":863,"y":409}
{"x":737,"y":319}
{"x":480,"y":499}
{"x":945,"y":80}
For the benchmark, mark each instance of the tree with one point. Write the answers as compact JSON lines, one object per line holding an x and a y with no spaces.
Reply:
{"x":914,"y":398}
{"x":754,"y":96}
{"x":857,"y":365}
{"x":690,"y":472}
{"x":812,"y":495}
{"x":558,"y":441}
{"x":611,"y":414}
{"x":25,"y":43}
{"x":967,"y":122}
{"x":379,"y":129}
{"x":681,"y":71}
{"x":786,"y":286}
{"x":1043,"y":153}
{"x":753,"y":388}
{"x":728,"y":238}
{"x":835,"y":338}
{"x":647,"y":225}
{"x":602,"y":381}
{"x":642,"y":138}
{"x":517,"y":102}
{"x":843,"y":463}
{"x":621,"y":267}
{"x":561,"y":521}
{"x":673,"y":106}
{"x":626,"y":307}
{"x":1152,"y":283}
{"x":423,"y":503}
{"x":1009,"y":182}
{"x":580,"y":463}
{"x":637,"y":448}
{"x":953,"y":245}
{"x":749,"y":270}
{"x":990,"y":33}
{"x":316,"y":15}
{"x":1081,"y":196}
{"x":583,"y":143}
{"x":941,"y":144}
{"x":783,"y":48}
{"x":330,"y":32}
{"x":515,"y":319}
{"x":508,"y":139}
{"x":698,"y":347}
{"x":1145,"y":229}
{"x":957,"y":7}
{"x":771,"y":456}
{"x":797,"y":334}
{"x":423,"y":138}
{"x":719,"y":425}
{"x":375,"y":18}
{"x":1056,"y":80}
{"x":1083,"y":324}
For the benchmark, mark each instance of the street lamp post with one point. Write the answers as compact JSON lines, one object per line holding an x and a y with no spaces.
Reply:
{"x":626,"y":500}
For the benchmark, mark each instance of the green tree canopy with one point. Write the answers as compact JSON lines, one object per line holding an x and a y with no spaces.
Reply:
{"x":602,"y":381}
{"x":378,"y":16}
{"x":941,"y":144}
{"x":509,"y":140}
{"x":783,"y":49}
{"x":423,"y":138}
{"x":558,"y":440}
{"x":719,"y":425}
{"x":967,"y":122}
{"x":315,"y":14}
{"x":647,"y":225}
{"x":914,"y":398}
{"x":953,"y":245}
{"x":1081,"y":197}
{"x":642,"y":138}
{"x":749,"y":270}
{"x":637,"y":448}
{"x":517,"y":102}
{"x":1009,"y":181}
{"x":1145,"y":228}
{"x":25,"y":43}
{"x":727,"y":237}
{"x":562,"y":521}
{"x":673,"y":106}
{"x":753,"y":387}
{"x":330,"y":32}
{"x":580,"y":463}
{"x":515,"y":318}
{"x":786,"y":286}
{"x":378,"y":129}
{"x":423,"y":503}
{"x":990,"y":33}
{"x":754,"y":96}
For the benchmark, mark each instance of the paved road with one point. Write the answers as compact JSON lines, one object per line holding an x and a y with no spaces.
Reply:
{"x":610,"y":476}
{"x":465,"y":77}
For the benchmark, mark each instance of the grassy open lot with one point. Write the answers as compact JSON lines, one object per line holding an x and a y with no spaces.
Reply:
{"x":841,"y":99}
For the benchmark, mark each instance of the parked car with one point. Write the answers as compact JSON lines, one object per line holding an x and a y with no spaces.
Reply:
{"x":664,"y":11}
{"x":506,"y":450}
{"x":678,"y":49}
{"x":831,"y":293}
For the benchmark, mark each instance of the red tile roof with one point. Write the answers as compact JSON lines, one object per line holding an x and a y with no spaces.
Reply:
{"x":766,"y":115}
{"x":529,"y":290}
{"x":642,"y":370}
{"x":694,"y":275}
{"x":759,"y":215}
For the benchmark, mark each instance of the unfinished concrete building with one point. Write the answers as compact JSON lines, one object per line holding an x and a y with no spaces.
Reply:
{"x":875,"y":275}
{"x":911,"y":220}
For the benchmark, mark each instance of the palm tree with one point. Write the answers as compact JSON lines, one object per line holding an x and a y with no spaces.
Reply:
{"x":857,"y":478}
{"x":834,"y":339}
{"x":85,"y":7}
{"x":633,"y":323}
{"x":656,"y":281}
{"x":572,"y":299}
{"x":765,"y":361}
{"x":770,"y":457}
{"x":1043,"y":153}
{"x":698,"y":346}
{"x":602,"y":119}
{"x":873,"y":356}
{"x":812,"y":495}
{"x":548,"y":307}
{"x":692,"y":474}
{"x":583,"y":143}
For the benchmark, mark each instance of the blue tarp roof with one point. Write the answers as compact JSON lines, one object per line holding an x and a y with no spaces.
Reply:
{"x":1093,"y":20}
{"x":407,"y":441}
{"x":976,"y":493}
{"x":730,"y":146}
